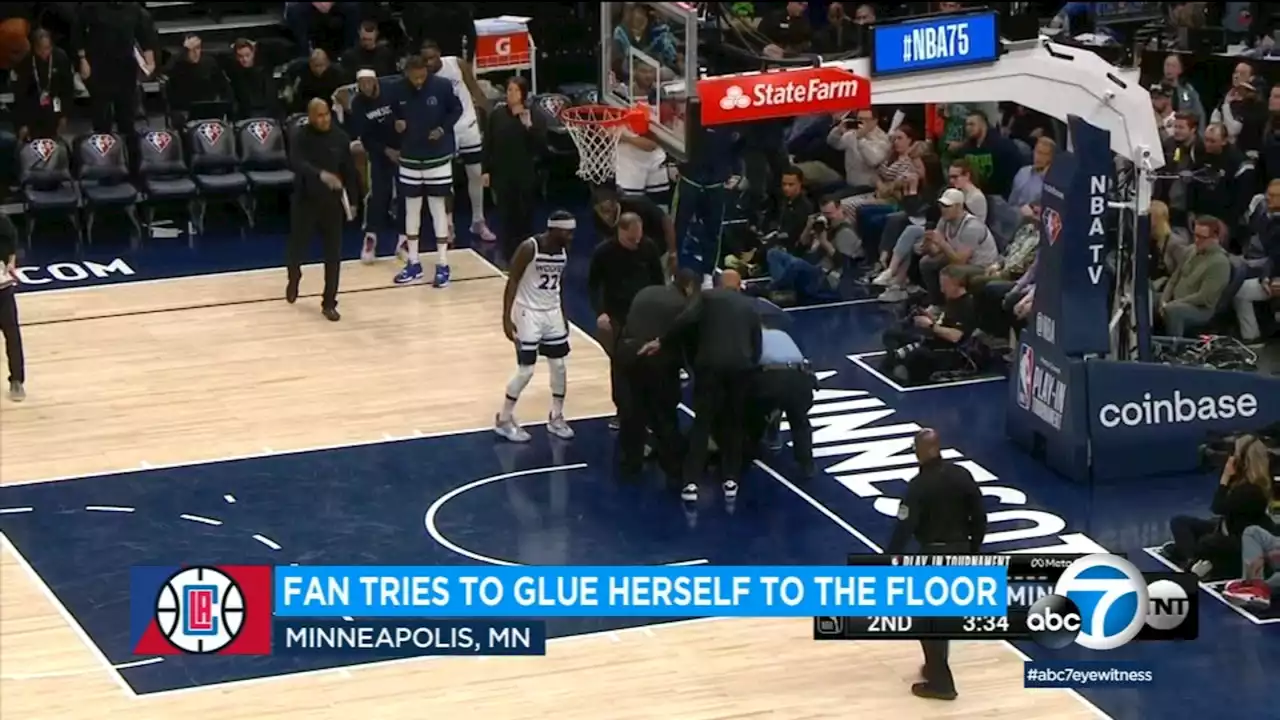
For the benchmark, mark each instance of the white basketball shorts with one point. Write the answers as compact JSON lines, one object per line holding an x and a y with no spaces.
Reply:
{"x":539,"y":332}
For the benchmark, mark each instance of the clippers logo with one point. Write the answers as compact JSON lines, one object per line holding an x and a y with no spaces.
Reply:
{"x":1026,"y":375}
{"x":43,"y":147}
{"x":1052,"y":224}
{"x":260,"y":131}
{"x":159,"y":140}
{"x":200,"y":610}
{"x":102,"y":143}
{"x":211,"y":132}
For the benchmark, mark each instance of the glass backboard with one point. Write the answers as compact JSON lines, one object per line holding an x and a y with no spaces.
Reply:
{"x":649,"y":52}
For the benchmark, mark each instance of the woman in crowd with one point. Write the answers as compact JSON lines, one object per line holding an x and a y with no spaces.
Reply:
{"x":1169,"y":245}
{"x":1243,"y":499}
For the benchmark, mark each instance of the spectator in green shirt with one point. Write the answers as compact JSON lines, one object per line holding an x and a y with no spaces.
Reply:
{"x":1190,"y":297}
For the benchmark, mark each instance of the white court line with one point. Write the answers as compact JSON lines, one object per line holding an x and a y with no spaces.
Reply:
{"x":78,"y":673}
{"x":109,"y":508}
{"x":200,"y":519}
{"x":15,"y":510}
{"x":70,"y":619}
{"x":858,"y":359}
{"x":823,"y":306}
{"x":231,"y":499}
{"x":267,"y":541}
{"x":1154,"y":552}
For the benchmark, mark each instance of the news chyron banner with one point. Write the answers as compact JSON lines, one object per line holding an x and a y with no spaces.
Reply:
{"x":390,"y":612}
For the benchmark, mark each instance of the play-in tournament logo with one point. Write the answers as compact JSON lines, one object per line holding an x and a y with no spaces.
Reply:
{"x":201,"y":610}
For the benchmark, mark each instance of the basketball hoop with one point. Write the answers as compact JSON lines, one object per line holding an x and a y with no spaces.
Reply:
{"x":595,"y":130}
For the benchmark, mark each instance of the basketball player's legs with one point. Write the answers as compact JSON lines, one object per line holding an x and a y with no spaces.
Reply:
{"x":377,"y":204}
{"x":469,"y":151}
{"x":528,"y":336}
{"x":554,"y":346}
{"x":425,"y":182}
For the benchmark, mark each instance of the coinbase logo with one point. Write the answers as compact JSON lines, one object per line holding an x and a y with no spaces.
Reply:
{"x":1101,"y":602}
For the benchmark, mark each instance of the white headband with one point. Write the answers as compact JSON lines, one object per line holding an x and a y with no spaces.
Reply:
{"x":366,"y":73}
{"x":568,"y":224}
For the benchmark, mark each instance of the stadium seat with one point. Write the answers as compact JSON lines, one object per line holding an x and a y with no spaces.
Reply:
{"x":263,"y":158}
{"x":291,"y":125}
{"x":164,"y":176}
{"x":102,"y":168}
{"x":1223,"y":314}
{"x":47,"y":186}
{"x":215,"y":168}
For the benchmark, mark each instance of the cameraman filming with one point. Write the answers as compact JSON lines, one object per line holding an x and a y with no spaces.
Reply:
{"x":829,"y":243}
{"x":929,"y":344}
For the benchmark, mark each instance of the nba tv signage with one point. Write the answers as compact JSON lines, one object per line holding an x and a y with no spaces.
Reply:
{"x":938,"y":43}
{"x":1071,"y":308}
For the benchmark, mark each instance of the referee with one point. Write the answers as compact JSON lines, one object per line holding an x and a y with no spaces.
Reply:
{"x":9,"y":309}
{"x":943,"y":511}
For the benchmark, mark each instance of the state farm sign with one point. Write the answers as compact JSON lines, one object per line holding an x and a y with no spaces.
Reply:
{"x":781,"y":94}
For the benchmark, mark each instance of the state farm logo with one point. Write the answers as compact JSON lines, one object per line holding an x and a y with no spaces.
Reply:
{"x":789,"y":93}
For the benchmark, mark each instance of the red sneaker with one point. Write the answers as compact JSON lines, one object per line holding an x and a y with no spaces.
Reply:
{"x":1253,"y":594}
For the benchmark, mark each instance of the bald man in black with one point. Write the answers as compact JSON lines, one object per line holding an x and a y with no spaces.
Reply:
{"x":943,"y":511}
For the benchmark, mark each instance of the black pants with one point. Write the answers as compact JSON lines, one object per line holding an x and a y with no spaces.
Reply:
{"x":937,"y":669}
{"x":791,"y":391}
{"x":114,"y":103}
{"x":1200,"y":539}
{"x":719,"y":406}
{"x":649,"y":401}
{"x":12,"y":334}
{"x":306,"y":221}
{"x":921,"y":355}
{"x":515,"y":205}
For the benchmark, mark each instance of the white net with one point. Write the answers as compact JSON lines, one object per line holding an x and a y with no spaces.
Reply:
{"x":595,"y":130}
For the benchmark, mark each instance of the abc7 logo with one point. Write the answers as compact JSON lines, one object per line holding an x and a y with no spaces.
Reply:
{"x":1125,"y":605}
{"x":200,"y":610}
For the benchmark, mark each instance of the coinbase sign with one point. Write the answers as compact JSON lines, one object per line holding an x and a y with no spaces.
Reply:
{"x":938,"y":43}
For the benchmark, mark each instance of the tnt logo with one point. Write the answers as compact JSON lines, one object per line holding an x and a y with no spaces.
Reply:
{"x":44,"y":148}
{"x":210,"y":131}
{"x":159,"y":140}
{"x":735,"y":99}
{"x":1102,"y":602}
{"x":1026,"y":375}
{"x":201,"y":610}
{"x":260,"y":131}
{"x":102,"y":143}
{"x":1052,"y":222}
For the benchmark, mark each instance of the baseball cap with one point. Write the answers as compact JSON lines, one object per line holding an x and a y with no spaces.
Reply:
{"x":1161,"y":89}
{"x":951,"y":196}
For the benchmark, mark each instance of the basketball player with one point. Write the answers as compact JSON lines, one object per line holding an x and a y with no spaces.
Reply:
{"x":467,"y":132}
{"x":371,"y":122}
{"x":641,"y":169}
{"x":426,"y":112}
{"x":533,"y":318}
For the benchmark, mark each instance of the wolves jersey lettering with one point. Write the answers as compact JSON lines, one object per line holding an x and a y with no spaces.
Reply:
{"x":467,"y":131}
{"x":539,"y":288}
{"x":537,"y":312}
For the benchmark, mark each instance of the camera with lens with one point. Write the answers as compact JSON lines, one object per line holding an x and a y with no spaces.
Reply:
{"x":820,"y":223}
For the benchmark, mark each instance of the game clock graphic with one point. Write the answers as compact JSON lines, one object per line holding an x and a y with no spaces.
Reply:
{"x":200,"y":610}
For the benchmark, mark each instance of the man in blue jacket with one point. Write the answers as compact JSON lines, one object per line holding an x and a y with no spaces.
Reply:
{"x":426,"y":109}
{"x":373,"y":124}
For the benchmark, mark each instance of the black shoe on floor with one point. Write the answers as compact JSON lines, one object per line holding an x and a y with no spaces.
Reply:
{"x":291,"y":293}
{"x":331,"y":314}
{"x":614,"y":423}
{"x":923,"y":690}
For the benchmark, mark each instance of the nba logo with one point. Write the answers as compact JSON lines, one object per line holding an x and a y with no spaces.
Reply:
{"x":159,"y":140}
{"x":211,"y":132}
{"x":102,"y":143}
{"x":201,"y":610}
{"x":1026,"y":375}
{"x":260,"y":131}
{"x":44,"y":147}
{"x":1052,"y":224}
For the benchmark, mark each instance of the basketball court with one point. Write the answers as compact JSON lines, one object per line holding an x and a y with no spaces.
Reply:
{"x":179,"y":418}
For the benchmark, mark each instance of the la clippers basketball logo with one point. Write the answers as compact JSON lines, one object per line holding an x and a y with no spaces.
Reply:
{"x":260,"y":131}
{"x":1052,"y":224}
{"x":102,"y":143}
{"x":211,"y":132}
{"x":1026,"y":375}
{"x":200,"y":610}
{"x":44,"y":148}
{"x":159,"y":140}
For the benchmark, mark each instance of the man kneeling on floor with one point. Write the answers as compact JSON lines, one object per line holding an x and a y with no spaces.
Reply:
{"x":932,"y":341}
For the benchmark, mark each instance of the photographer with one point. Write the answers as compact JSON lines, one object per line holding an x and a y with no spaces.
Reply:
{"x":929,"y":343}
{"x":829,"y":244}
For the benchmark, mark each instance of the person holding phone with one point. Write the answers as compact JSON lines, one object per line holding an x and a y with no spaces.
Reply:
{"x":865,"y":147}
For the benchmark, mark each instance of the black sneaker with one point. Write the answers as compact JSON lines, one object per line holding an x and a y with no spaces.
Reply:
{"x":614,"y":423}
{"x":291,"y":293}
{"x":923,"y":690}
{"x":331,"y":314}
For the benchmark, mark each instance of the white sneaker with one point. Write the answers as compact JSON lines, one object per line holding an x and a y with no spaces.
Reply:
{"x":556,"y":425}
{"x":1202,"y":568}
{"x":895,"y":293}
{"x":730,"y":489}
{"x":369,"y":252}
{"x":509,"y":429}
{"x":689,"y":493}
{"x":884,"y":279}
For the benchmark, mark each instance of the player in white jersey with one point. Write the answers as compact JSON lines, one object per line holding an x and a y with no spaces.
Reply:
{"x":467,"y":130}
{"x":533,"y":319}
{"x":641,"y":169}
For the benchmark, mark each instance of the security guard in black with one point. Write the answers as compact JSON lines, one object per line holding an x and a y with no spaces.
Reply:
{"x":943,"y":511}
